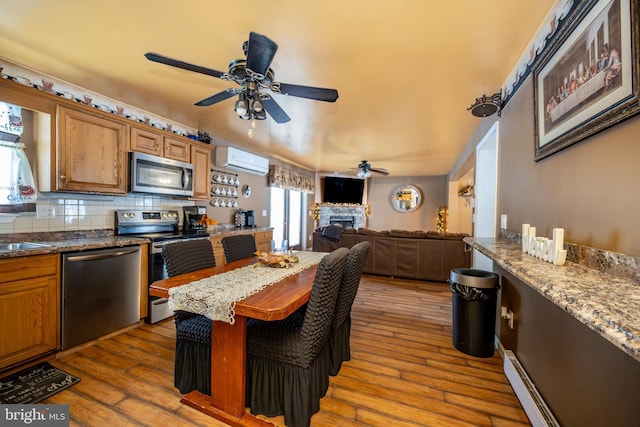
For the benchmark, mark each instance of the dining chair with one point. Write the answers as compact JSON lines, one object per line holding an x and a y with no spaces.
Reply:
{"x":192,"y":367}
{"x":240,"y":246}
{"x":340,"y":332}
{"x":287,"y":374}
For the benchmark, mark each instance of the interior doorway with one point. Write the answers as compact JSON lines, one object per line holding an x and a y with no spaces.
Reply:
{"x":485,"y":193}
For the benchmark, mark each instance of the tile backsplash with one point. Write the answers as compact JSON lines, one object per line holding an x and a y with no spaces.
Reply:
{"x":82,"y":212}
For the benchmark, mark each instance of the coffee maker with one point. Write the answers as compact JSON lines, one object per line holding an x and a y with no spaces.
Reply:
{"x":249,"y":219}
{"x":192,"y":223}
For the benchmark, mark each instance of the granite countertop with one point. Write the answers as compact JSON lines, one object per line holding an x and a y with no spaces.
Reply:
{"x":72,"y":245}
{"x":71,"y":242}
{"x":607,"y":304}
{"x":226,"y":231}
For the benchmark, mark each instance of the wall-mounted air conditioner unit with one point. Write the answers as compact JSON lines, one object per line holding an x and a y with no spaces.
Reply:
{"x":241,"y":161}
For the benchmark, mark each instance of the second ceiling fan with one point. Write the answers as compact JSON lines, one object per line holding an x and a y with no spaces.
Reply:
{"x":254,"y":76}
{"x":364,"y":169}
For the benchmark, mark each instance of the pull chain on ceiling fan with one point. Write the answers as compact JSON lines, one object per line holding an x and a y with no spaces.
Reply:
{"x":254,"y":76}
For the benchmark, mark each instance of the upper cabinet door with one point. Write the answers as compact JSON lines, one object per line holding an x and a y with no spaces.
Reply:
{"x":150,"y":142}
{"x":201,"y":159}
{"x":92,"y":153}
{"x":177,"y":150}
{"x":146,"y":142}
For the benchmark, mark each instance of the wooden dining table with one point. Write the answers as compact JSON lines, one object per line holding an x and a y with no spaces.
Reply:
{"x":229,"y":341}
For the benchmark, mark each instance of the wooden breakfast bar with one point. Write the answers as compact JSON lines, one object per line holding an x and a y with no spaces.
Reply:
{"x":228,"y":341}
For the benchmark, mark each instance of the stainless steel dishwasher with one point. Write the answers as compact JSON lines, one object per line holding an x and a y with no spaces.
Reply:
{"x":100,"y":293}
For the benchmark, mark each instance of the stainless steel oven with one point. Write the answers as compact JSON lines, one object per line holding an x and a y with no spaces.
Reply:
{"x":157,"y":175}
{"x":161,"y":227}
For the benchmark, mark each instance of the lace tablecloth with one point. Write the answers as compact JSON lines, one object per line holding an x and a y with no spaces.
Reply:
{"x":215,"y":296}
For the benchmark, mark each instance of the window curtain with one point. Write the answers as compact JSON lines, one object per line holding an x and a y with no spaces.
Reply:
{"x":290,"y":180}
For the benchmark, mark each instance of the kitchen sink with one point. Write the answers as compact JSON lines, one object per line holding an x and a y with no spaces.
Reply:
{"x":20,"y":246}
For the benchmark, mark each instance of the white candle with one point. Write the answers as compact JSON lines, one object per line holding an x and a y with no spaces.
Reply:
{"x":525,"y":237}
{"x":546,"y":244}
{"x":532,"y":240}
{"x":560,"y":258}
{"x":558,"y":238}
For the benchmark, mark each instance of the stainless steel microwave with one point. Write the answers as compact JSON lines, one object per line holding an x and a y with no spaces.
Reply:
{"x":157,"y":175}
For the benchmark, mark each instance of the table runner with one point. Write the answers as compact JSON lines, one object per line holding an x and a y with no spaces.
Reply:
{"x":215,"y":296}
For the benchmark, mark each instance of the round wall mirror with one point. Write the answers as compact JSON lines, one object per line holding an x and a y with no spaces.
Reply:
{"x":406,"y":198}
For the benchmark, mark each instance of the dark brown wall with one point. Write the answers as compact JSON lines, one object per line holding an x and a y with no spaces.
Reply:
{"x":589,"y":189}
{"x":584,"y":379}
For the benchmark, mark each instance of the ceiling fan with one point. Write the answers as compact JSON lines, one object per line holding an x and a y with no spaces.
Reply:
{"x":364,"y":170}
{"x":254,"y":77}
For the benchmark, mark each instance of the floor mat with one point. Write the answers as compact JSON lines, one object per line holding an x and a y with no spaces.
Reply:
{"x":34,"y":384}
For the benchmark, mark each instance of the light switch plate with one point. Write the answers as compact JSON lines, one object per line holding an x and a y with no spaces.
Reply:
{"x":503,"y":221}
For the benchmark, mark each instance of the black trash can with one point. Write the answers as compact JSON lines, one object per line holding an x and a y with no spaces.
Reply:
{"x":474,"y":294}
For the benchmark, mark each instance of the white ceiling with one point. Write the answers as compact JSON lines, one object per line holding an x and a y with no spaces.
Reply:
{"x":406,"y":71}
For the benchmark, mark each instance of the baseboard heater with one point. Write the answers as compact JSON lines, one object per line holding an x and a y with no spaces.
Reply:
{"x":531,"y":401}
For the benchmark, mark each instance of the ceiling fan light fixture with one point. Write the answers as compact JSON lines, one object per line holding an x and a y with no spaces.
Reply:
{"x":362,"y":173}
{"x":242,"y":106}
{"x":259,"y":115}
{"x":256,"y":104}
{"x":487,"y":105}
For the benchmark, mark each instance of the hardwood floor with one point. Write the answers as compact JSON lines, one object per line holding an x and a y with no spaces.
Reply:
{"x":404,"y":371}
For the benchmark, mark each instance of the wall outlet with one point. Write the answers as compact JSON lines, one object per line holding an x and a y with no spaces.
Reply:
{"x":45,"y":212}
{"x":264,"y":212}
{"x":503,"y":221}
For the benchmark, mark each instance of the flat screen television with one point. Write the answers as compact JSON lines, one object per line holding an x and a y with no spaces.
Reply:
{"x":343,"y":190}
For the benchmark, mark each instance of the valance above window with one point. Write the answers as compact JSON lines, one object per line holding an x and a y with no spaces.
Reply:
{"x":290,"y":180}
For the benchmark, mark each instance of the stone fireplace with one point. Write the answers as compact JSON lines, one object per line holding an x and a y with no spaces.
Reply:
{"x":349,"y":216}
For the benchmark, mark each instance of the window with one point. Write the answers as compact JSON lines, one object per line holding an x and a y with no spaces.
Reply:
{"x":287,"y":217}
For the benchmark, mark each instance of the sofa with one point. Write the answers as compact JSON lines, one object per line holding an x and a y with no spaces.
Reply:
{"x":400,"y":253}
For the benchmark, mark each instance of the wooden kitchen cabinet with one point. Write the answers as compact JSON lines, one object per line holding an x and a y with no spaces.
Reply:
{"x":263,"y":240}
{"x":29,"y":308}
{"x":91,"y":153}
{"x":145,"y":141}
{"x":177,"y":150}
{"x":150,"y":142}
{"x":201,"y":159}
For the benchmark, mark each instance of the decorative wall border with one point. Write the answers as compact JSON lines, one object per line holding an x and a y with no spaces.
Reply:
{"x":40,"y":81}
{"x":547,"y":36}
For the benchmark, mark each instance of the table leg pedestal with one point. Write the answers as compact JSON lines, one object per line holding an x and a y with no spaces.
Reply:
{"x":228,"y":376}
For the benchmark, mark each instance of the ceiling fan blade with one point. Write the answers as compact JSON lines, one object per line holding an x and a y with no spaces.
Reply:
{"x":381,"y":171}
{"x":274,"y":110}
{"x":220,"y":96}
{"x":260,"y":53}
{"x":317,"y":93}
{"x":155,"y":57}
